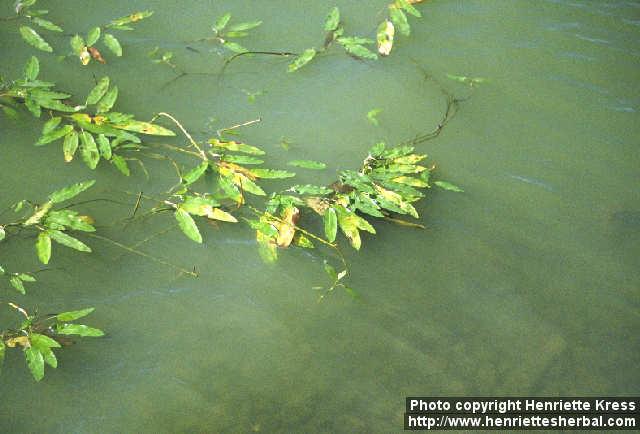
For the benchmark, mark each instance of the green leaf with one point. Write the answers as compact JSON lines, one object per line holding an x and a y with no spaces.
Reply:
{"x":33,"y":38}
{"x":77,"y":44}
{"x":98,"y":91}
{"x":221,"y":23}
{"x":43,"y":247}
{"x":349,"y":225}
{"x":50,"y":125}
{"x":307,"y":164}
{"x":78,"y":329}
{"x":46,"y":24}
{"x":31,"y":69}
{"x":360,"y":51}
{"x":330,"y":224}
{"x":263,"y":227}
{"x":236,"y":147}
{"x":271,"y":174}
{"x":42,"y":341}
{"x":120,"y":164}
{"x":306,"y":57}
{"x":243,"y":26}
{"x":145,"y":128}
{"x":108,"y":100}
{"x":3,"y":234}
{"x":311,"y":189}
{"x":333,"y":20}
{"x":16,"y":282}
{"x":112,"y":44}
{"x":74,"y":314}
{"x":70,"y":145}
{"x":121,"y":22}
{"x":448,"y":186}
{"x":194,"y":174}
{"x":241,"y":159}
{"x":40,"y":212}
{"x":54,"y":135}
{"x":68,"y":218}
{"x":248,"y":185}
{"x":372,"y":116}
{"x":331,"y":271}
{"x":93,"y":36}
{"x":188,"y":225}
{"x":89,"y":150}
{"x":70,"y":191}
{"x":35,"y":362}
{"x":399,"y":19}
{"x":2,"y":352}
{"x":236,"y":48}
{"x":404,"y":4}
{"x":32,"y":106}
{"x":23,"y":4}
{"x":354,"y":40}
{"x":68,"y":241}
{"x":26,"y":277}
{"x":104,"y":147}
{"x":50,"y":358}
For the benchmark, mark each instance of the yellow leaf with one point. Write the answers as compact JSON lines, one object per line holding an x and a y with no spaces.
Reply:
{"x":218,"y":214}
{"x":286,"y":228}
{"x":144,"y":128}
{"x":385,"y":37}
{"x":85,"y":57}
{"x":19,"y":340}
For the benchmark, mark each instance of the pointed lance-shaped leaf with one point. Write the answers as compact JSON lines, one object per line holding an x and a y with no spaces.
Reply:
{"x":70,"y":191}
{"x":307,"y":164}
{"x":74,"y":314}
{"x":68,"y":241}
{"x":35,"y":362}
{"x":93,"y":36}
{"x":112,"y":44}
{"x":70,"y":146}
{"x":108,"y":100}
{"x":333,"y":20}
{"x":304,"y":58}
{"x":33,"y":38}
{"x":188,"y":225}
{"x":43,"y":247}
{"x":78,"y":329}
{"x":31,"y":69}
{"x":98,"y":91}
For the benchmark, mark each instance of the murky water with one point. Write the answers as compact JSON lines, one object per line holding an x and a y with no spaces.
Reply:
{"x":526,"y":284}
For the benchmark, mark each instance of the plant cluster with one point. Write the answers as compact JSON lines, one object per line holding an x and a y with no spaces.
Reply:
{"x":218,"y":179}
{"x":82,"y":47}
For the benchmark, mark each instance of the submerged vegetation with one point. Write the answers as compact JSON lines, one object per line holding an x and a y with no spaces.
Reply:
{"x":384,"y":188}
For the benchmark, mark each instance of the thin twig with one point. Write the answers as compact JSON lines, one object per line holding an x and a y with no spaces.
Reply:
{"x":233,"y":127}
{"x":143,"y":254}
{"x":203,"y":155}
{"x":267,"y":53}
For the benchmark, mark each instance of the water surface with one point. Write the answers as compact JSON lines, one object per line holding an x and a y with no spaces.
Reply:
{"x":526,"y":284}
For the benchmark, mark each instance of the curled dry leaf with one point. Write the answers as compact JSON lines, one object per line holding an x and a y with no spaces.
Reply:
{"x":286,"y":228}
{"x":95,"y":54}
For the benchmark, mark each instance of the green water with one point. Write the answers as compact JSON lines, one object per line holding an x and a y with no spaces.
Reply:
{"x":526,"y":284}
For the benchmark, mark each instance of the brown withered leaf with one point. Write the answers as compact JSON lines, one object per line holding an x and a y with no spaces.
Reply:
{"x":95,"y":54}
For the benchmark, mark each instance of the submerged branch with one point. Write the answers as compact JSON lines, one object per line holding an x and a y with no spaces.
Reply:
{"x":143,"y":254}
{"x":265,"y":53}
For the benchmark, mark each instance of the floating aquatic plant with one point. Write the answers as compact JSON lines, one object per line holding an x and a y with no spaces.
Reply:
{"x":219,"y":179}
{"x":38,"y":335}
